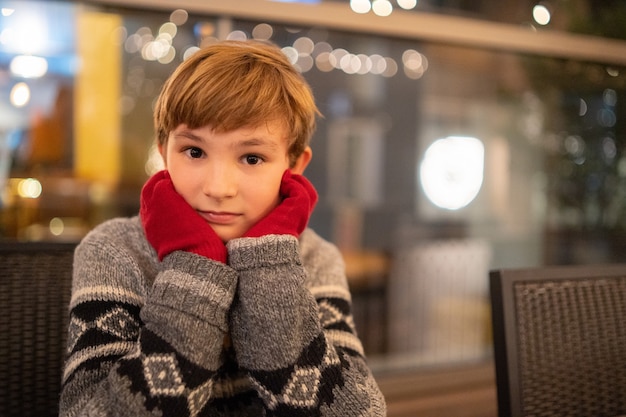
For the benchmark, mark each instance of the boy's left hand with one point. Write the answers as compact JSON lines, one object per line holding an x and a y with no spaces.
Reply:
{"x":291,"y":216}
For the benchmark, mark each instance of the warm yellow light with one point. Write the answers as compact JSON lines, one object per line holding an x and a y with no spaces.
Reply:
{"x":57,"y":226}
{"x":29,"y":188}
{"x":20,"y":95}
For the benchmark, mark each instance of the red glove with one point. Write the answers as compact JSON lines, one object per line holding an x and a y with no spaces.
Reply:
{"x":291,"y":216}
{"x":171,"y":224}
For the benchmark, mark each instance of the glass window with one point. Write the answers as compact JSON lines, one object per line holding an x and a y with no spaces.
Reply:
{"x":434,"y":162}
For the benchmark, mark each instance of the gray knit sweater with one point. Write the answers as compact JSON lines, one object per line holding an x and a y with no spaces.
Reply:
{"x":269,"y":334}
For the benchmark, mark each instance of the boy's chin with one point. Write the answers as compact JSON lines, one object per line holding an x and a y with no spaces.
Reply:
{"x":226,"y":235}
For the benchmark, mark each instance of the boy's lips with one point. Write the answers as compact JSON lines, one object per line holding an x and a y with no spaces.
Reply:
{"x":219,"y":217}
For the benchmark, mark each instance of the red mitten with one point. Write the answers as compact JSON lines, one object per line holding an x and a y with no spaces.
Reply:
{"x":171,"y":224}
{"x":291,"y":216}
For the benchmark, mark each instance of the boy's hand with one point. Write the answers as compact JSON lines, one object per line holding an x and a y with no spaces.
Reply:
{"x":171,"y":224}
{"x":291,"y":216}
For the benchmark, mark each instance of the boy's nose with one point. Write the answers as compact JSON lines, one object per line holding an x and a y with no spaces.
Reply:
{"x":220,"y":182}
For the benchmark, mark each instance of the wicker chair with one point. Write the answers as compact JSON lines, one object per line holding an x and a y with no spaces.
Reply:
{"x":560,"y":341}
{"x":35,"y":286}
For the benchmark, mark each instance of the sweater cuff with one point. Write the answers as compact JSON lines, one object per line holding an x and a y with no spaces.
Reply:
{"x":265,"y":251}
{"x":196,"y":286}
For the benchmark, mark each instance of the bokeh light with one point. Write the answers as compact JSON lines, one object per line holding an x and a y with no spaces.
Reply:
{"x":29,"y":66}
{"x":20,"y":94}
{"x":29,"y":188}
{"x":360,"y":6}
{"x":541,"y":14}
{"x":451,"y":173}
{"x":382,"y":7}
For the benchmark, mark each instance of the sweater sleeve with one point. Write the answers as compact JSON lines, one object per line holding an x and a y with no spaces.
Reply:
{"x":294,"y":333}
{"x":138,"y":347}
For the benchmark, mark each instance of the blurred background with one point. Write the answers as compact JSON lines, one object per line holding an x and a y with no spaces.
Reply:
{"x":457,"y":137}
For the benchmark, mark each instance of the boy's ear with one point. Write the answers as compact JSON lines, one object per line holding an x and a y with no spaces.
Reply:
{"x":302,"y":161}
{"x":162,"y":153}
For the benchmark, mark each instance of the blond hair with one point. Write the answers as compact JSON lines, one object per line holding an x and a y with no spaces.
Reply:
{"x":234,"y":84}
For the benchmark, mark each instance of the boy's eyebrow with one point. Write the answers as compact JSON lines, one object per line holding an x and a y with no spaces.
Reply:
{"x":188,"y":134}
{"x":255,"y":142}
{"x":251,"y":142}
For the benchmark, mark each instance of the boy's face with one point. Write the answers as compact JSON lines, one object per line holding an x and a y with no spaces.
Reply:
{"x":231,"y":179}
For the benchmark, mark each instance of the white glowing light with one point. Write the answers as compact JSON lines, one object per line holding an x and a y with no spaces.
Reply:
{"x":415,"y":64}
{"x":366,"y":64}
{"x":29,"y":66}
{"x":237,"y":35}
{"x":350,"y":64}
{"x":190,"y":51}
{"x":382,"y":7}
{"x":407,"y":4}
{"x":168,"y":57}
{"x":335,"y":57}
{"x":451,"y":173}
{"x":169,"y":28}
{"x":378,"y":64}
{"x":7,"y":36}
{"x":30,"y":33}
{"x":291,"y":53}
{"x":360,"y":6}
{"x":541,"y":14}
{"x":20,"y":95}
{"x":391,"y":68}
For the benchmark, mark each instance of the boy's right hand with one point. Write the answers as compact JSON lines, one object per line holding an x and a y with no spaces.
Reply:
{"x":171,"y":224}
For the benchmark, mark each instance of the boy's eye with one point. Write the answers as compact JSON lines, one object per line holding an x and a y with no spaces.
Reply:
{"x":195,"y":153}
{"x":252,"y":159}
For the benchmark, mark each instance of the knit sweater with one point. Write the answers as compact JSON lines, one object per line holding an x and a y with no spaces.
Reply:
{"x":270,"y":333}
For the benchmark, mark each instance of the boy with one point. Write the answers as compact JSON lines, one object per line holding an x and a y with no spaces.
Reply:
{"x":216,"y":299}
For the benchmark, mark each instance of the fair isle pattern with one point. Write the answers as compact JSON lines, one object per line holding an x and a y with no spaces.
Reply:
{"x":115,"y":325}
{"x":117,"y":364}
{"x":301,"y":390}
{"x":164,"y":379}
{"x":163,"y":375}
{"x":77,"y":328}
{"x":118,"y":322}
{"x":335,"y":313}
{"x":336,"y":319}
{"x":115,"y":321}
{"x":303,"y":387}
{"x":199,"y":397}
{"x":165,"y":386}
{"x":308,"y":386}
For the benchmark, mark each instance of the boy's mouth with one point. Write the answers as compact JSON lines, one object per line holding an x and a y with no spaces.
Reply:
{"x":219,"y":217}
